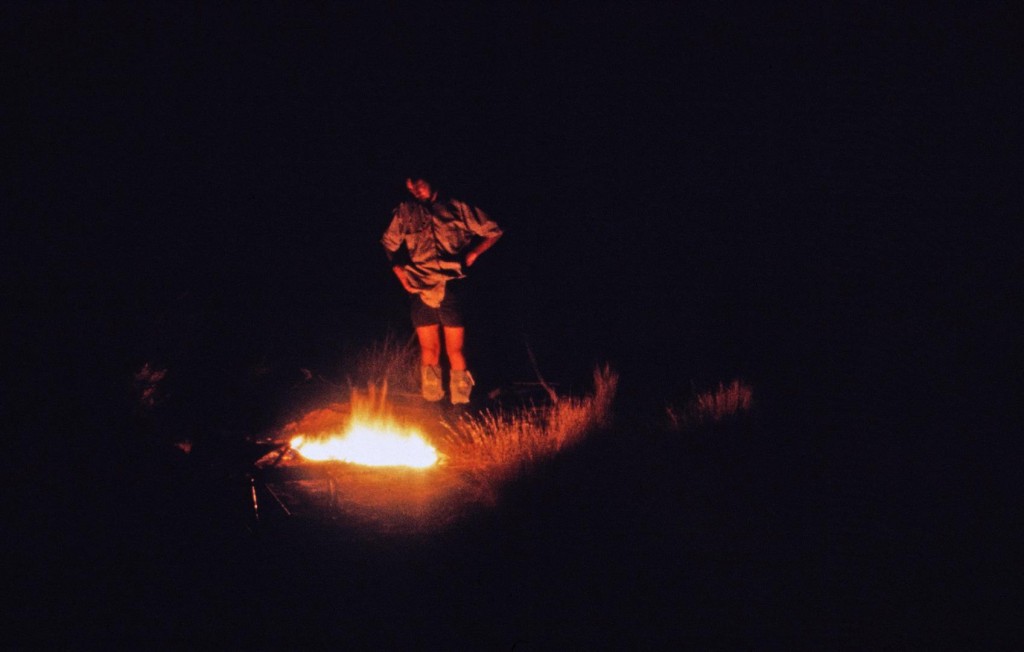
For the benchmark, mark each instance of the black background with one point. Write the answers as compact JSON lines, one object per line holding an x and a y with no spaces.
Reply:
{"x":817,"y":198}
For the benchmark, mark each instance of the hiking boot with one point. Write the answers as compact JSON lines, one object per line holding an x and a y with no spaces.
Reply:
{"x":461,"y":386}
{"x":430,"y":383}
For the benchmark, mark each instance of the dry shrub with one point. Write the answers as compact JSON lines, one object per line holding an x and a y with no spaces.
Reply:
{"x":495,"y":446}
{"x":713,"y":406}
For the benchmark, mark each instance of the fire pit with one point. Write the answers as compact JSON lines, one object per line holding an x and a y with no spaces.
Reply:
{"x":402,"y":464}
{"x":373,"y":461}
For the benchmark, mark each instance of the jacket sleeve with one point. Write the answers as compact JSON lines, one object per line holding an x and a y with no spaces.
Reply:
{"x":478,"y":222}
{"x":393,"y":236}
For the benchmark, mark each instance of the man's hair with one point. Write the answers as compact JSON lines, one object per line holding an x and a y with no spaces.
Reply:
{"x":435,"y":166}
{"x":426,"y":173}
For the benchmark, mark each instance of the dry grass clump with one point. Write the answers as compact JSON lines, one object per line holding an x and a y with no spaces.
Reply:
{"x":391,"y":361}
{"x":498,"y":445}
{"x":713,"y":406}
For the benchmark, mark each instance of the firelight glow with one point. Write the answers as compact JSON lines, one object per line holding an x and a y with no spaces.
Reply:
{"x":369,"y":446}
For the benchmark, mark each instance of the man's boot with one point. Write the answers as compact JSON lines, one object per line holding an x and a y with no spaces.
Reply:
{"x":461,"y":386}
{"x":430,"y":383}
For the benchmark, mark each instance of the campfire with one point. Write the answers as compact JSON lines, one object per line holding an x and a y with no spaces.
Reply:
{"x":371,"y":445}
{"x":398,"y":464}
{"x":369,"y":434}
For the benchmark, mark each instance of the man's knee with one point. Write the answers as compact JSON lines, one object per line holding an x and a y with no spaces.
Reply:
{"x":432,"y":349}
{"x":430,"y":343}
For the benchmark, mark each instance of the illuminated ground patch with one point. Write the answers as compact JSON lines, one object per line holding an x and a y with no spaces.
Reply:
{"x":403,"y":465}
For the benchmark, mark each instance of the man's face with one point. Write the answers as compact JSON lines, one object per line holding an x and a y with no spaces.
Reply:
{"x":420,"y":189}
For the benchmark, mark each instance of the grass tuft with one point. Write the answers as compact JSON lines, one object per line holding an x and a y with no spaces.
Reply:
{"x":716,"y":405}
{"x":496,"y":446}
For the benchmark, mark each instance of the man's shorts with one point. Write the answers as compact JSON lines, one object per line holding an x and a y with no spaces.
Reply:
{"x":449,"y":313}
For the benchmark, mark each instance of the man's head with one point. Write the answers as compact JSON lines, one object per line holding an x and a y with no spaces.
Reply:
{"x":421,"y":189}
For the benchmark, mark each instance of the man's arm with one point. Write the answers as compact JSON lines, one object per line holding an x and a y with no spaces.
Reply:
{"x":403,"y":278}
{"x":393,"y":241}
{"x":399,"y":270}
{"x":480,"y":248}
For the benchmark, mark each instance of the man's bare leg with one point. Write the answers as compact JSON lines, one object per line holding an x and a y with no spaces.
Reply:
{"x":454,"y":336}
{"x":430,"y":345}
{"x":461,"y":381}
{"x":430,"y":358}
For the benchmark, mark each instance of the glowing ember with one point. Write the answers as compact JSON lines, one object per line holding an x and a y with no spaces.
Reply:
{"x":369,"y":446}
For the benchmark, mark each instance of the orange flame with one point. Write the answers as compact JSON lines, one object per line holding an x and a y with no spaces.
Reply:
{"x":373,"y":438}
{"x":370,"y":446}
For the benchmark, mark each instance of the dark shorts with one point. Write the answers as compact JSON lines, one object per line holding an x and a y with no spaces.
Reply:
{"x":448,"y":314}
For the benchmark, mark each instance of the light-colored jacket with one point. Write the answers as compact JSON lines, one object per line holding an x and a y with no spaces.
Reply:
{"x":436,"y":235}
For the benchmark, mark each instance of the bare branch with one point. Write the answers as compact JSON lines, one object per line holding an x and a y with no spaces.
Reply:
{"x":536,"y":370}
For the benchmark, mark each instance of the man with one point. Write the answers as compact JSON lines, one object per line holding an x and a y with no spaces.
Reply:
{"x":443,"y":238}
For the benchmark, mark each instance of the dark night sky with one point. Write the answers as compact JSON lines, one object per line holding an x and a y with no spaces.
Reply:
{"x":747,"y":178}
